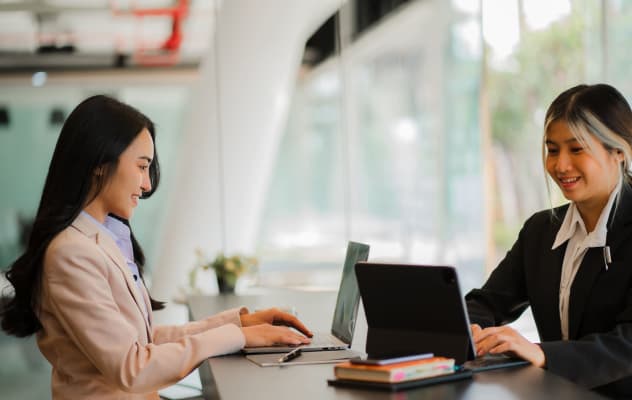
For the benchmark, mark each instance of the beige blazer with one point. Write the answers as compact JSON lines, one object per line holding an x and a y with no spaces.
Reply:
{"x":94,"y":330}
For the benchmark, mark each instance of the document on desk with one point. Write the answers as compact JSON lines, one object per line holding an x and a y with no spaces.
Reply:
{"x":307,"y":357}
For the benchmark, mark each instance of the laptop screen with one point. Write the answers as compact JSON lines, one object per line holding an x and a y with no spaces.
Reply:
{"x":348,"y":301}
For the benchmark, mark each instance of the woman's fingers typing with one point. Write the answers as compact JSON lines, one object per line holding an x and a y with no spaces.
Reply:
{"x":504,"y":339}
{"x":276,"y":317}
{"x":283,"y":318}
{"x":268,"y":335}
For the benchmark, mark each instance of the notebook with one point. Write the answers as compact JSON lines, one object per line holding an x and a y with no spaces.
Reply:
{"x":345,"y":312}
{"x":412,"y":309}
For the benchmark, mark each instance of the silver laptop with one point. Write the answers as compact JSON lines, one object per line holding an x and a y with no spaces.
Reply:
{"x":345,"y":313}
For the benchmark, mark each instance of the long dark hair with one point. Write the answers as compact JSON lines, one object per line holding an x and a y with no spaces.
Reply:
{"x":95,"y":134}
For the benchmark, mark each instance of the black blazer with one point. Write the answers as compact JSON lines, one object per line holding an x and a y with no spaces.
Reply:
{"x":598,"y":354}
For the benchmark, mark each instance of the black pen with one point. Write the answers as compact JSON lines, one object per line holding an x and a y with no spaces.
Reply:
{"x":291,"y":355}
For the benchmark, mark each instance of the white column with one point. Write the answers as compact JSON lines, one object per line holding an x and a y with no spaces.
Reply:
{"x":257,"y":53}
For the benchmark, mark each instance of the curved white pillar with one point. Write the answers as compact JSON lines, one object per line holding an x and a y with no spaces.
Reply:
{"x":257,"y":54}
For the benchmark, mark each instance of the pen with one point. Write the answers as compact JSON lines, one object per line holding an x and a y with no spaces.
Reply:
{"x":291,"y":355}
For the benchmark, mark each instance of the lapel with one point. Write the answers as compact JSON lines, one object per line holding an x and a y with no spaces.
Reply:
{"x":549,"y":285}
{"x":620,"y":225}
{"x":148,"y":305}
{"x":590,"y":268}
{"x":109,"y":247}
{"x":593,"y":264}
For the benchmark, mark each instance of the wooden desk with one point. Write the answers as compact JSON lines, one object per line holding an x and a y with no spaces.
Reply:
{"x":234,"y":377}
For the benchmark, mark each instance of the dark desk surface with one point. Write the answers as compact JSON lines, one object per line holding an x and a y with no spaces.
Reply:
{"x":234,"y":377}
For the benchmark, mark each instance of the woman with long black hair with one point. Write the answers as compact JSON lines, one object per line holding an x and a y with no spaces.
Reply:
{"x":79,"y":284}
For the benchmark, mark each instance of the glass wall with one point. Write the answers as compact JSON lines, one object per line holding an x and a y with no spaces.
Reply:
{"x":383,"y":146}
{"x":552,"y":47}
{"x":618,"y":31}
{"x":389,"y":141}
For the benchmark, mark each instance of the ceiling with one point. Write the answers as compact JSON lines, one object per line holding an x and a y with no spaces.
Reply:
{"x":92,"y":34}
{"x":88,"y":35}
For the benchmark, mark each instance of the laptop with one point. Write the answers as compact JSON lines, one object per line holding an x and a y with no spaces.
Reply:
{"x":345,"y":312}
{"x":413,"y":309}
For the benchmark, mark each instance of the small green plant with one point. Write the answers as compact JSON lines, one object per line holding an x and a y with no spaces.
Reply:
{"x":227,"y":269}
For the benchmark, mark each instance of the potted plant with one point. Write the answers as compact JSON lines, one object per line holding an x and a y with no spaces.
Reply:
{"x":227,"y":269}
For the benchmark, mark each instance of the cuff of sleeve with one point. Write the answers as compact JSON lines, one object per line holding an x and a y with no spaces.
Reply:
{"x":225,"y":339}
{"x":231,"y":316}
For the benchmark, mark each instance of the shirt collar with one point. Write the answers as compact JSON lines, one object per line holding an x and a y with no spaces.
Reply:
{"x":117,"y":228}
{"x":99,"y":224}
{"x":118,"y":231}
{"x":573,"y":221}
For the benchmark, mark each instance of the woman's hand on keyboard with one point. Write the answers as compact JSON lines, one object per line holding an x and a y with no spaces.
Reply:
{"x":274,"y":316}
{"x":505,"y":339}
{"x":269,"y":335}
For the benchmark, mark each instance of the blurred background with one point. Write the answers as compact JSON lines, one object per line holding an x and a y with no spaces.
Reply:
{"x":286,"y":128}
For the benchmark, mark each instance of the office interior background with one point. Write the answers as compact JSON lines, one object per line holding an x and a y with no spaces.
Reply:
{"x":286,"y":128}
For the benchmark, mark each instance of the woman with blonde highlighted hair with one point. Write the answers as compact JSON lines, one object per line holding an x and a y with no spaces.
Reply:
{"x":572,"y":265}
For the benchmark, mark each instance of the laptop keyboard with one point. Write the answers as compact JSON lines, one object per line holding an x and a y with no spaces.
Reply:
{"x":493,"y":361}
{"x":324,"y":340}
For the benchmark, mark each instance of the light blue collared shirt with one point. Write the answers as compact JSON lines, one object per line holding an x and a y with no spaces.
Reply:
{"x":121,"y":234}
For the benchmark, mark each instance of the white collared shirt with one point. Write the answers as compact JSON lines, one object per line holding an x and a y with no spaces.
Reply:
{"x":573,"y":230}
